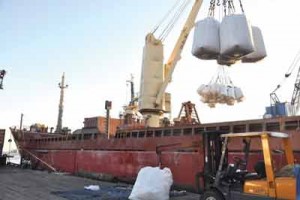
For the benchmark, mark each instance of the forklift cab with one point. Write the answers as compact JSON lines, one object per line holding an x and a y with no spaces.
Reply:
{"x":234,"y":182}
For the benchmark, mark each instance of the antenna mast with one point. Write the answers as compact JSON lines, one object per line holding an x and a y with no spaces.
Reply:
{"x":131,"y":90}
{"x":2,"y":74}
{"x":62,"y":86}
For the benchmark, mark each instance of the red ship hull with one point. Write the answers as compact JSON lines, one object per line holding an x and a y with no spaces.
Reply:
{"x":123,"y":156}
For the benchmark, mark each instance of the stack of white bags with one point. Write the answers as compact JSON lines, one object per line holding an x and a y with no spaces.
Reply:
{"x":220,"y":93}
{"x":220,"y":90}
{"x":231,"y":40}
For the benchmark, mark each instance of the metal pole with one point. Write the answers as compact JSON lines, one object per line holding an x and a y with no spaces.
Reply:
{"x":62,"y":86}
{"x":224,"y":147}
{"x":21,"y":121}
{"x":107,"y":108}
{"x":107,"y":122}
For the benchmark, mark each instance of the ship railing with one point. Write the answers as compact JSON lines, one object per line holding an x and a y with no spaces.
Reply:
{"x":274,"y":124}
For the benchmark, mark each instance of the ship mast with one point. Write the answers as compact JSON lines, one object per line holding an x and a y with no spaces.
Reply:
{"x":2,"y":74}
{"x":62,"y":86}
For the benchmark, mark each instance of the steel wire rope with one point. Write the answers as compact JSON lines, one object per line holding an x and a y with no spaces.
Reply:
{"x":165,"y":17}
{"x":289,"y":71}
{"x":231,"y":8}
{"x":215,"y":77}
{"x":293,"y":65}
{"x":241,"y":6}
{"x":211,"y":9}
{"x":224,"y":3}
{"x":173,"y":21}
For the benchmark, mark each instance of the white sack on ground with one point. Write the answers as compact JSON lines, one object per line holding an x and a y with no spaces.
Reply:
{"x":206,"y":44}
{"x":235,"y":36}
{"x":152,"y":183}
{"x":92,"y":187}
{"x":260,"y":50}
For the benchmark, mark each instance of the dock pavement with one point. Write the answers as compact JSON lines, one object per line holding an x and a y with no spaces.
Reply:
{"x":27,"y":184}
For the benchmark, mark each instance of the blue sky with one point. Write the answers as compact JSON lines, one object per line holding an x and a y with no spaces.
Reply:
{"x":98,"y":44}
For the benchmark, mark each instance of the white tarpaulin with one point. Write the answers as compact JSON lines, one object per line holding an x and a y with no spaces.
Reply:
{"x":152,"y":183}
{"x":206,"y":43}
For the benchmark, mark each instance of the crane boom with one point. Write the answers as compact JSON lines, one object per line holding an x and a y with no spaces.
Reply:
{"x":296,"y":93}
{"x":294,"y":105}
{"x":176,"y":53}
{"x":155,"y":76}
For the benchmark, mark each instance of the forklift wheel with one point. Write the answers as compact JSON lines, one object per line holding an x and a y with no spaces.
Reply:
{"x":211,"y":195}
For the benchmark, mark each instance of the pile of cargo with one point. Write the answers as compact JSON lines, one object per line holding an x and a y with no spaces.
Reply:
{"x":231,"y":40}
{"x":220,"y":90}
{"x":227,"y":41}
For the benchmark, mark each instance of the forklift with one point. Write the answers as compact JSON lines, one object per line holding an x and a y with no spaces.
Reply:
{"x":224,"y":181}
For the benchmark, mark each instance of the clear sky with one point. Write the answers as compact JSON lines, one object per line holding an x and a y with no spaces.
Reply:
{"x":98,"y":44}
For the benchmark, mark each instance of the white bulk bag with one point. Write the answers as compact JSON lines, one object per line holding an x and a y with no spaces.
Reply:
{"x":206,"y":44}
{"x":235,"y":36}
{"x":204,"y":99}
{"x":260,"y":50}
{"x":239,"y":96}
{"x":223,"y":94}
{"x":230,"y":102}
{"x":230,"y":92}
{"x":200,"y":89}
{"x":152,"y":183}
{"x":211,"y":105}
{"x":223,"y":90}
{"x":205,"y":92}
{"x":214,"y":89}
{"x":225,"y":61}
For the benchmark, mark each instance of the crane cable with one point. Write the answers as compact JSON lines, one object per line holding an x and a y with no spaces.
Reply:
{"x":165,"y":17}
{"x":173,"y":20}
{"x":289,"y":71}
{"x":293,"y":65}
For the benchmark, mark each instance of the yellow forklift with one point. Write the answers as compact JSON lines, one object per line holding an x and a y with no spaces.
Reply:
{"x":234,"y":182}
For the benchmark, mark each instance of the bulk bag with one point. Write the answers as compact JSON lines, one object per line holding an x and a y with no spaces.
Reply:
{"x":152,"y":183}
{"x":235,"y":36}
{"x":214,"y":89}
{"x":223,"y":94}
{"x":206,"y":44}
{"x":260,"y":50}
{"x":239,"y":96}
{"x":230,"y":96}
{"x":201,"y":88}
{"x":204,"y":90}
{"x":225,"y":61}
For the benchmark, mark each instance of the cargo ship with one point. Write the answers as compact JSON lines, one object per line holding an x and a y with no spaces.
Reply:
{"x":116,"y":149}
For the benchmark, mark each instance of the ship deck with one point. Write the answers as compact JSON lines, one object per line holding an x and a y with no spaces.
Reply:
{"x":26,"y":184}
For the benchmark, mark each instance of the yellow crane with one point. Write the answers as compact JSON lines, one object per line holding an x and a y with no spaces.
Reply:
{"x":155,"y":77}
